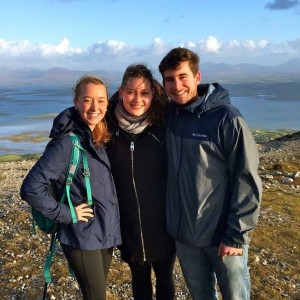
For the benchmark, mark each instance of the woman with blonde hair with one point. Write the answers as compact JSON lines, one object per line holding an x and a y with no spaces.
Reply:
{"x":88,"y":243}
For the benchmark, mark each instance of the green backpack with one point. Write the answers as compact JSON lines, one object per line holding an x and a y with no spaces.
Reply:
{"x":50,"y":226}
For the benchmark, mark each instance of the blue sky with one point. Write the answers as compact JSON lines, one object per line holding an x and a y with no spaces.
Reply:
{"x":111,"y":34}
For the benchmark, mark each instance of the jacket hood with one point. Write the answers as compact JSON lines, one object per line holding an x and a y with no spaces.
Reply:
{"x":210,"y":96}
{"x":216,"y":95}
{"x":110,"y":114}
{"x":112,"y":102}
{"x":66,"y":122}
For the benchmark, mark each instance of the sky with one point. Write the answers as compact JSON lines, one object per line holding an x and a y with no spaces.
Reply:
{"x":112,"y":34}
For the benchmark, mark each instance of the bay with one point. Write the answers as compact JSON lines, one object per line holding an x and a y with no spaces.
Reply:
{"x":32,"y":109}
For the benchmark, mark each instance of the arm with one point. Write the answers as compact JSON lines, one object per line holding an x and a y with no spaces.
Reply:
{"x":47,"y":170}
{"x":245,"y":184}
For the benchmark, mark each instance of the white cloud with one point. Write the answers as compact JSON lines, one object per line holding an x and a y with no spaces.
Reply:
{"x":109,"y":48}
{"x":19,"y":49}
{"x":211,"y":44}
{"x":158,"y":47}
{"x":113,"y":54}
{"x":62,"y":48}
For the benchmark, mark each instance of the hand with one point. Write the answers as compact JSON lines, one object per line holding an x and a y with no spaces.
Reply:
{"x":84,"y":212}
{"x":229,"y":251}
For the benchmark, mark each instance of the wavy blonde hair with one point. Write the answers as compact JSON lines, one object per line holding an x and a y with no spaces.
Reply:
{"x":101,"y":135}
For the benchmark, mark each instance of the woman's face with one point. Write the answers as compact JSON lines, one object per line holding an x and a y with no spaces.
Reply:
{"x":137,"y":96}
{"x":92,"y":103}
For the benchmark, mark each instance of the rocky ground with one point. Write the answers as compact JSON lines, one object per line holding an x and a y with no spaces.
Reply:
{"x":274,"y":251}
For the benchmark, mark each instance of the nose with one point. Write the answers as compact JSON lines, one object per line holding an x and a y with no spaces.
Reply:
{"x":94,"y":105}
{"x":136,"y":97}
{"x":177,"y":84}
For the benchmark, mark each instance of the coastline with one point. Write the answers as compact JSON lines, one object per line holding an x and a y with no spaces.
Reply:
{"x":25,"y":144}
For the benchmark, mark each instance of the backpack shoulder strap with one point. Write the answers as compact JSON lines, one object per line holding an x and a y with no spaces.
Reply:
{"x":77,"y":152}
{"x":77,"y":149}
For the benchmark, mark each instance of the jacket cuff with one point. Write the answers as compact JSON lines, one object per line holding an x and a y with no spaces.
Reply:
{"x":234,"y":245}
{"x":64,"y":215}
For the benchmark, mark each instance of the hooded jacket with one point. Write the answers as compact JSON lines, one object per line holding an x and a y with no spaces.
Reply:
{"x":214,"y":190}
{"x":139,"y":167}
{"x":103,"y":230}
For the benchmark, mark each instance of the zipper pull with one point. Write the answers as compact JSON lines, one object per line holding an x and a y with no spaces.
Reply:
{"x":132,"y":146}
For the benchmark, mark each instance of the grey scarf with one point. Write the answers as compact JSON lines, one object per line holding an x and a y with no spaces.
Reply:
{"x":128,"y":123}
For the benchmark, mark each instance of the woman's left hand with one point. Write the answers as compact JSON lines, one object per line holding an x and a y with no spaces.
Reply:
{"x":84,"y":212}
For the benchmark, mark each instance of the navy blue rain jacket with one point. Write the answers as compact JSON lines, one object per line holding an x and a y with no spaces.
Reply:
{"x":103,"y":230}
{"x":213,"y":189}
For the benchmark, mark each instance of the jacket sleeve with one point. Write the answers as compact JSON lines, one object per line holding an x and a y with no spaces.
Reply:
{"x":47,"y":170}
{"x":245,"y":184}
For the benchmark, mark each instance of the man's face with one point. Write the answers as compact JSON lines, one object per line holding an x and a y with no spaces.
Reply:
{"x":181,"y":84}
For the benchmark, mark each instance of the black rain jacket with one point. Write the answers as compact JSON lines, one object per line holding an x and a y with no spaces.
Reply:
{"x":139,"y":167}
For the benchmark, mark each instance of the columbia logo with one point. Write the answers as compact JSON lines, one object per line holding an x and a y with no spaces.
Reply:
{"x":199,"y":135}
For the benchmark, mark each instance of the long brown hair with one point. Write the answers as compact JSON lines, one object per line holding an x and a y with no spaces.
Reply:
{"x":100,"y":133}
{"x":160,"y":99}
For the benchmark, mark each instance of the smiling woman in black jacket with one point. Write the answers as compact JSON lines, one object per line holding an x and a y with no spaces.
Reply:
{"x":88,"y":243}
{"x":137,"y":153}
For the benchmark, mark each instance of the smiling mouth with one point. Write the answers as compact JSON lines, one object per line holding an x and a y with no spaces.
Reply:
{"x":179,"y":93}
{"x":94,"y":114}
{"x":137,"y":106}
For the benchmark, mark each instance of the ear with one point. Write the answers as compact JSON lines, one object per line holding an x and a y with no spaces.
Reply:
{"x":198,"y":77}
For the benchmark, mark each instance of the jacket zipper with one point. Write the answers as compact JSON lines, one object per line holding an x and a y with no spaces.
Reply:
{"x":137,"y":199}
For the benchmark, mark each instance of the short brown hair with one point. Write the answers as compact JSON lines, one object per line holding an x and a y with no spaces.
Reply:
{"x":175,"y":57}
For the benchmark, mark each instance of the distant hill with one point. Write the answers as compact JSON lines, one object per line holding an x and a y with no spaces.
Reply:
{"x":278,"y":82}
{"x":54,"y":76}
{"x":246,"y":73}
{"x":239,"y":73}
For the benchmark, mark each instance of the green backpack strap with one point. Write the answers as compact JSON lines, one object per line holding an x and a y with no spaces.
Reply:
{"x":86,"y":170}
{"x":49,"y":259}
{"x":77,"y":149}
{"x":73,"y":166}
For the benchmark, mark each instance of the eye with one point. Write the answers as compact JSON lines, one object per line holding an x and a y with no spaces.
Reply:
{"x":183,"y":77}
{"x":102,"y":102}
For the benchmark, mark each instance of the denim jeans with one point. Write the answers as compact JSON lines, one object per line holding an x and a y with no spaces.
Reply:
{"x":202,"y":268}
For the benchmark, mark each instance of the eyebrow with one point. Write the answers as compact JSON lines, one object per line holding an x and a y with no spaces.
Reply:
{"x":130,"y":89}
{"x":178,"y":75}
{"x":88,"y":97}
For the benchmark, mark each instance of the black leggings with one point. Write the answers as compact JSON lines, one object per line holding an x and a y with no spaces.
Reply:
{"x":141,"y":279}
{"x":90,"y":268}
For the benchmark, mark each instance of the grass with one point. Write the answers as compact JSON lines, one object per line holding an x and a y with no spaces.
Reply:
{"x":273,"y":255}
{"x":18,"y":157}
{"x":28,"y":136}
{"x":264,"y":135}
{"x":275,"y":248}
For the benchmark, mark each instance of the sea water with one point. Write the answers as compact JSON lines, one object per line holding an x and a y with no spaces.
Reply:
{"x":32,"y":109}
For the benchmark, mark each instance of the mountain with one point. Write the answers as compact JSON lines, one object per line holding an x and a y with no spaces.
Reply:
{"x":211,"y":72}
{"x":292,"y":65}
{"x":54,"y":76}
{"x":243,"y":73}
